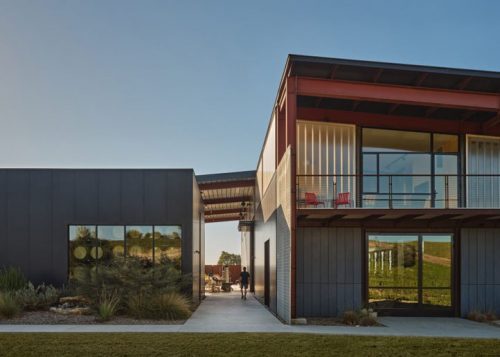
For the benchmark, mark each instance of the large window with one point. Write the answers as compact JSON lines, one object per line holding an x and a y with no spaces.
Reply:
{"x":410,"y":271}
{"x":403,"y":169}
{"x":92,"y":246}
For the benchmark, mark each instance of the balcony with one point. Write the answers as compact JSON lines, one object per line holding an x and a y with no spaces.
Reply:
{"x":398,"y":191}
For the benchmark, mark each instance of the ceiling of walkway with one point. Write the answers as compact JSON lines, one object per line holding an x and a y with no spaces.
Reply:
{"x":226,"y":196}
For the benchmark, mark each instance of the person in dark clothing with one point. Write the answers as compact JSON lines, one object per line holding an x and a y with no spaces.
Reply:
{"x":244,"y":278}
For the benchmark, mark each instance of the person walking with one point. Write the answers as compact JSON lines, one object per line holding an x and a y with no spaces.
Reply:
{"x":244,"y":279}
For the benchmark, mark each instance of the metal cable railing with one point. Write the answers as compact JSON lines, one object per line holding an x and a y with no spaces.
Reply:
{"x":398,"y":191}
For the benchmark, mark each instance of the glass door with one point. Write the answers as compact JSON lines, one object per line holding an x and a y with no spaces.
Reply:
{"x":410,"y":273}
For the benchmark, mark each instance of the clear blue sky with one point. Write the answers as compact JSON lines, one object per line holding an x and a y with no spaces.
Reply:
{"x":191,"y":83}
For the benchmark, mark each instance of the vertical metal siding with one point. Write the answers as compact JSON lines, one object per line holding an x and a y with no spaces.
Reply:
{"x":483,"y":157}
{"x":326,"y":149}
{"x":329,"y":264}
{"x":36,"y":207}
{"x":480,"y":270}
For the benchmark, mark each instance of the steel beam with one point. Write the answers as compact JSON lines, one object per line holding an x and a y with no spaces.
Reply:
{"x":211,"y":212}
{"x":227,"y":184}
{"x":398,"y":94}
{"x":225,"y":219}
{"x":212,"y":201}
{"x":396,"y":121}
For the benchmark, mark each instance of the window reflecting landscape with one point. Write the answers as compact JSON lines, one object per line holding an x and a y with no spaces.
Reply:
{"x":92,"y":246}
{"x":168,"y":245}
{"x":140,"y":243}
{"x":111,"y":243}
{"x":410,"y":271}
{"x":82,"y":249}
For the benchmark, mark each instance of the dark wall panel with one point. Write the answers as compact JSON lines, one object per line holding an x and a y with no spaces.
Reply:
{"x":329,"y":262}
{"x":86,"y":196}
{"x":37,"y":206}
{"x":265,"y":231}
{"x":110,"y":196}
{"x":63,"y":214}
{"x":132,"y":196}
{"x":3,"y":218}
{"x":40,"y":227}
{"x":18,"y":203}
{"x":480,"y":270}
{"x":155,"y":195}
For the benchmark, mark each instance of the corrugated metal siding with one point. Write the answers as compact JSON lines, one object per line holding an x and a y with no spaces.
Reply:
{"x":283,"y":266}
{"x":483,"y":157}
{"x":326,"y":149}
{"x":480,"y":270}
{"x":283,"y":237}
{"x":329,"y":262}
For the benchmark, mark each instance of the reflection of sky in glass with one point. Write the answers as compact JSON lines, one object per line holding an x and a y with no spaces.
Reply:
{"x":167,"y":230}
{"x":393,"y":238}
{"x":437,"y":238}
{"x":111,"y":232}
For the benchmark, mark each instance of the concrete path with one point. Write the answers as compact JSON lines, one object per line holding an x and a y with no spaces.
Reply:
{"x":228,"y":313}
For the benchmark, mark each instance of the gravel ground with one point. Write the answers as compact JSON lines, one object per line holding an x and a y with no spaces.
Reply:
{"x":51,"y":318}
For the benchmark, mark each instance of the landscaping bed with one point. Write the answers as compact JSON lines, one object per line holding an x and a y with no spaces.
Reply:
{"x":125,"y":292}
{"x":51,"y":318}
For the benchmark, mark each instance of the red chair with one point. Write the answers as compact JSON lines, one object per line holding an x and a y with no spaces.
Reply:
{"x":311,"y":199}
{"x":342,"y":199}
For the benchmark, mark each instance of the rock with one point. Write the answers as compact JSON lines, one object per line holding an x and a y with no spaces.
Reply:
{"x":75,"y":300}
{"x":71,"y":311}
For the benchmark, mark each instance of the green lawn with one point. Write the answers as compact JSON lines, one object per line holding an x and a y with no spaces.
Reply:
{"x":236,"y":344}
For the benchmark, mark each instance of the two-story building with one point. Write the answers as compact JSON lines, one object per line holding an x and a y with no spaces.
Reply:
{"x":378,"y":185}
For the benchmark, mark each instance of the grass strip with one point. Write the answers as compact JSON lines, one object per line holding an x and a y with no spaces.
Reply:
{"x":236,"y":344}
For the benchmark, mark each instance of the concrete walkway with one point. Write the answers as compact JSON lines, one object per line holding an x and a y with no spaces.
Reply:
{"x":228,"y":313}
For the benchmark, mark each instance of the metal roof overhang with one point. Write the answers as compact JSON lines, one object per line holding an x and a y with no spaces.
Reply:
{"x":430,"y":217}
{"x":226,"y":196}
{"x":332,"y":87}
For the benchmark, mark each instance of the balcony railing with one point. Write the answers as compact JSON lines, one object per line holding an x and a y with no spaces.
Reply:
{"x":398,"y":191}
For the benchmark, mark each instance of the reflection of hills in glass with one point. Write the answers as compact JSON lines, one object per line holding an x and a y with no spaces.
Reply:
{"x":393,"y":270}
{"x":85,"y":248}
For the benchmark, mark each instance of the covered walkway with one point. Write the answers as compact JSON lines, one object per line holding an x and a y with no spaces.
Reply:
{"x":227,"y":312}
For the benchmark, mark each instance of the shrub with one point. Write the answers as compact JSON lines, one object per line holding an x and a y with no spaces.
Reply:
{"x":41,"y":297}
{"x":108,"y":305}
{"x":137,"y":306}
{"x":9,"y":307}
{"x":168,"y":306}
{"x":171,"y":306}
{"x":367,"y":321}
{"x":350,"y":318}
{"x":129,"y":278}
{"x":491,"y":316}
{"x":476,"y":316}
{"x":12,"y":279}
